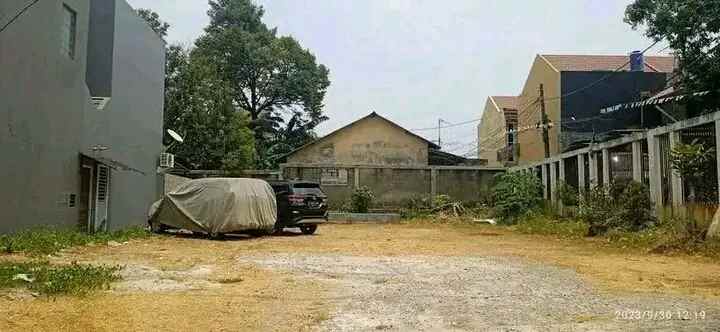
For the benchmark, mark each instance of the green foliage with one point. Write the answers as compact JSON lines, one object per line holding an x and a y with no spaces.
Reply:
{"x":153,"y":19}
{"x":543,"y":225}
{"x":47,"y":240}
{"x":691,"y":28}
{"x":417,"y":207}
{"x":625,"y":206}
{"x":693,"y":163}
{"x":272,"y":78}
{"x":672,"y":235}
{"x":361,"y":200}
{"x":568,"y":194}
{"x":516,"y":194}
{"x":43,"y":278}
{"x":199,"y":105}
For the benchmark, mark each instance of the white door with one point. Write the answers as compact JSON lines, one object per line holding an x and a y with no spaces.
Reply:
{"x":102,"y":197}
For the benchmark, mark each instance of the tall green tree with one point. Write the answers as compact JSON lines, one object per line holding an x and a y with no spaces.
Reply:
{"x":153,"y":19}
{"x":272,"y":78}
{"x":199,"y":105}
{"x":692,"y":28}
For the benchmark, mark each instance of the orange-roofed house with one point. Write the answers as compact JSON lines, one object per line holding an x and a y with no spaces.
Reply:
{"x":576,"y":88}
{"x":496,"y":140}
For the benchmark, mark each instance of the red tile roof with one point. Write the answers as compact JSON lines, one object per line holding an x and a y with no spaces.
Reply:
{"x":662,"y":64}
{"x":504,"y":102}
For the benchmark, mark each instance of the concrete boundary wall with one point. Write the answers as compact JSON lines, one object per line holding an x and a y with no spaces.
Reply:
{"x":395,"y":186}
{"x":599,"y":154}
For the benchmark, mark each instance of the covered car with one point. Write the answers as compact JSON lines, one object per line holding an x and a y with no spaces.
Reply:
{"x":217,"y":206}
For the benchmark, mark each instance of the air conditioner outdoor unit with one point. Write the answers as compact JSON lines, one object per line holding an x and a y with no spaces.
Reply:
{"x":167,"y":160}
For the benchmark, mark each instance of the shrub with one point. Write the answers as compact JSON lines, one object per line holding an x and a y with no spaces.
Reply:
{"x":568,"y":194}
{"x":693,"y":162}
{"x":361,"y":200}
{"x":516,"y":194}
{"x":625,"y":205}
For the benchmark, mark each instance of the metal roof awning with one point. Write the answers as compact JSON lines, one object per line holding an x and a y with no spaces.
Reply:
{"x":114,"y":164}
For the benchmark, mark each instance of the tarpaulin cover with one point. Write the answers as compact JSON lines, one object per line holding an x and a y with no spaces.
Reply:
{"x":218,"y":205}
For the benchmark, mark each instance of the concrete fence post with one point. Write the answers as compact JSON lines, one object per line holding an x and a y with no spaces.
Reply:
{"x":637,"y":161}
{"x":433,"y":183}
{"x":717,"y":152}
{"x":356,"y":175}
{"x":593,"y":169}
{"x":561,"y":181}
{"x":553,"y":183}
{"x":544,"y":169}
{"x":655,"y":171}
{"x":606,"y":167}
{"x":281,"y":177}
{"x":581,"y":172}
{"x":714,"y":230}
{"x":676,"y":185}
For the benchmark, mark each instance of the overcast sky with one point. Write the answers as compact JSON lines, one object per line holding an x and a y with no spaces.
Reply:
{"x":415,"y":61}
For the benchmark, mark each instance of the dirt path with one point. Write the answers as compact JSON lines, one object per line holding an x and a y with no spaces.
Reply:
{"x":375,"y":277}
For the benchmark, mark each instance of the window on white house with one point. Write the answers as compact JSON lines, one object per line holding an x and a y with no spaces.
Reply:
{"x":69,"y":32}
{"x":334,"y":176}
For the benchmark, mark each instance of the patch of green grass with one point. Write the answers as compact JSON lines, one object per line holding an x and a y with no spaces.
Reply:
{"x":48,"y":240}
{"x":543,"y":225}
{"x":671,"y":236}
{"x":43,"y":278}
{"x":664,"y":239}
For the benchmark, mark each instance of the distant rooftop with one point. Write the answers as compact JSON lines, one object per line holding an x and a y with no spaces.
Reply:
{"x":659,"y":64}
{"x":504,"y":102}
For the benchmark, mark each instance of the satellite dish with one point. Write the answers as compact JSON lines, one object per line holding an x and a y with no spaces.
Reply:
{"x":175,"y":136}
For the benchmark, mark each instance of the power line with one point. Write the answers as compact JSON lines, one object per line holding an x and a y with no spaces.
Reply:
{"x":461,"y":123}
{"x":22,"y":11}
{"x":522,"y":114}
{"x":667,"y":81}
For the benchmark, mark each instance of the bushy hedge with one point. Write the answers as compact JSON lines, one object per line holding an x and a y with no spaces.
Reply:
{"x":516,"y":194}
{"x":624,"y":205}
{"x":361,"y":200}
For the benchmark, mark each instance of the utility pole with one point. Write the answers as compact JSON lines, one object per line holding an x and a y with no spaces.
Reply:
{"x":545,"y":122}
{"x":439,"y":127}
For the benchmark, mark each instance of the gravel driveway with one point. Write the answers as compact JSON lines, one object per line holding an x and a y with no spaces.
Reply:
{"x":473,"y":293}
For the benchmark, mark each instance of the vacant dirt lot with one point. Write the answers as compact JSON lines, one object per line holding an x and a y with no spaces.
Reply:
{"x":380,"y":277}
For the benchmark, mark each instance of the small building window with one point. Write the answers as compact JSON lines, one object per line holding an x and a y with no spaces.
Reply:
{"x":69,"y":32}
{"x":334,"y":176}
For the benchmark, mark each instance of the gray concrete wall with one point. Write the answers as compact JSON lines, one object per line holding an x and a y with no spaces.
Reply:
{"x":465,"y":185}
{"x":47,"y":120}
{"x":131,"y":124}
{"x":394,"y":187}
{"x":43,"y":96}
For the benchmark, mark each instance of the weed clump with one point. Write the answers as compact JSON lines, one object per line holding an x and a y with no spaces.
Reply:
{"x":49,"y":240}
{"x":46,"y":279}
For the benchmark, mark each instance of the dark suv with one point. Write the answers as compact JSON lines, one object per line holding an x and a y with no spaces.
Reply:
{"x":300,"y":204}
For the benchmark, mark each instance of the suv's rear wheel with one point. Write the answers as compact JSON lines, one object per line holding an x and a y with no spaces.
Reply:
{"x":309,"y":229}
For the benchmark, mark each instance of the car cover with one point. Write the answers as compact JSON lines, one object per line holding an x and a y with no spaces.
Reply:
{"x":218,"y":205}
